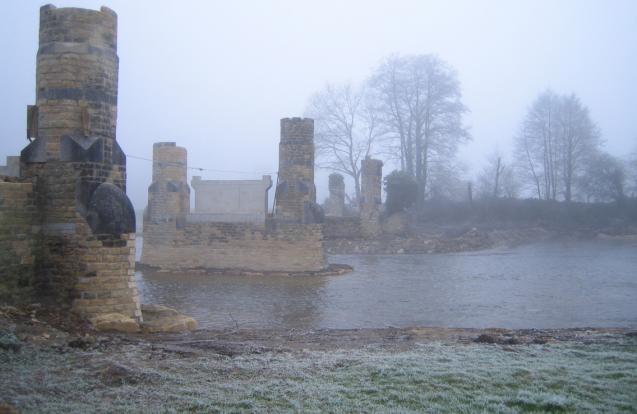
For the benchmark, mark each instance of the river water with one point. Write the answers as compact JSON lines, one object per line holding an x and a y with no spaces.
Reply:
{"x":544,"y":285}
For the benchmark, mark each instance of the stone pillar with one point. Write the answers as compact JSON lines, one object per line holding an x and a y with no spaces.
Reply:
{"x":295,"y":192}
{"x":76,"y":81}
{"x":335,"y":205}
{"x":169,"y":193}
{"x":168,"y":198}
{"x":86,"y":259}
{"x":371,"y":187}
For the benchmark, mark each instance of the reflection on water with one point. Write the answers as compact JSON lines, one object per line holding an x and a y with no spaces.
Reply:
{"x":548,"y":285}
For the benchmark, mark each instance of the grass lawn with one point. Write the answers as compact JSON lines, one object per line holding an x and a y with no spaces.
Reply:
{"x":432,"y":377}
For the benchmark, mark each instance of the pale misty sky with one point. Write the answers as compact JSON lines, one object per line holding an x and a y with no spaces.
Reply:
{"x":216,"y":77}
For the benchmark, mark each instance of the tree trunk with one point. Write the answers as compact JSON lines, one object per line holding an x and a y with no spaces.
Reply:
{"x":497,"y":178}
{"x":357,"y":187}
{"x":420,"y":200}
{"x":425,"y":173}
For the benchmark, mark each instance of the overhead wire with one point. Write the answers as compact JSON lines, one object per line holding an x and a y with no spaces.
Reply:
{"x":203,"y":168}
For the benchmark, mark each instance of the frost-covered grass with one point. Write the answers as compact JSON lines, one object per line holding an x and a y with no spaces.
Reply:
{"x":456,"y":378}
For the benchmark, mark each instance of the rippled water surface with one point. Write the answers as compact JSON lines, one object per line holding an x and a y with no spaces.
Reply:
{"x":548,"y":285}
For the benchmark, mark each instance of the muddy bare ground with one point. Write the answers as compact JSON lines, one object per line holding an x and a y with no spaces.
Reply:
{"x":237,"y":342}
{"x":32,"y":325}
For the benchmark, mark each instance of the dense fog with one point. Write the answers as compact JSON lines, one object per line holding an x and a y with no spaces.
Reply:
{"x":216,"y":77}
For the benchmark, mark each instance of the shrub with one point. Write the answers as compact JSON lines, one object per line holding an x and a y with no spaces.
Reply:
{"x":401,"y":190}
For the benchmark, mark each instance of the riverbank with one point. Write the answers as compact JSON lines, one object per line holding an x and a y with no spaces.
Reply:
{"x":46,"y":369}
{"x":462,"y":238}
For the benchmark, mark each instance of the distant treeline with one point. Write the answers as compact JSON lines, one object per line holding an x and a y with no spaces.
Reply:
{"x":409,"y":112}
{"x":544,"y":213}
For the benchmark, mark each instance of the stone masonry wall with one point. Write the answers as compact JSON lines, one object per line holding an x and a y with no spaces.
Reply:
{"x":76,"y":268}
{"x":342,"y":228}
{"x":276,"y":247}
{"x":54,"y":189}
{"x":17,"y":241}
{"x":107,"y":283}
{"x":12,"y":168}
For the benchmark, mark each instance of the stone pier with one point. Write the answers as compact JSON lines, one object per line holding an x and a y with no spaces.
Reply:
{"x":169,"y":194}
{"x":335,"y":204}
{"x":371,"y":188}
{"x":288,"y":242}
{"x":82,"y":224}
{"x":295,"y":199}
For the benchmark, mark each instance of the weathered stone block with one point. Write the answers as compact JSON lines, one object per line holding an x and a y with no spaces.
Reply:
{"x":159,"y":318}
{"x":115,"y":322}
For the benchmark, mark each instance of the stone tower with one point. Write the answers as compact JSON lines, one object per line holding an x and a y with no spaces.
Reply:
{"x":371,"y":186}
{"x":295,"y":192}
{"x":169,"y":193}
{"x":335,"y":205}
{"x":86,"y":259}
{"x":76,"y":86}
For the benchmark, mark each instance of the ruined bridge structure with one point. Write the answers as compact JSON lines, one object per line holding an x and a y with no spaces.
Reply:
{"x":290,"y":241}
{"x":367,"y":224}
{"x":67,"y":228}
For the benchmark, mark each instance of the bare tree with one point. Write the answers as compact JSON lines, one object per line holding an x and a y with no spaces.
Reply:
{"x":418,"y":100}
{"x":578,"y":139}
{"x":490,"y":179}
{"x":345,"y":129}
{"x":498,"y":179}
{"x":538,"y":146}
{"x":529,"y":166}
{"x":556,"y":138}
{"x":631,"y":175}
